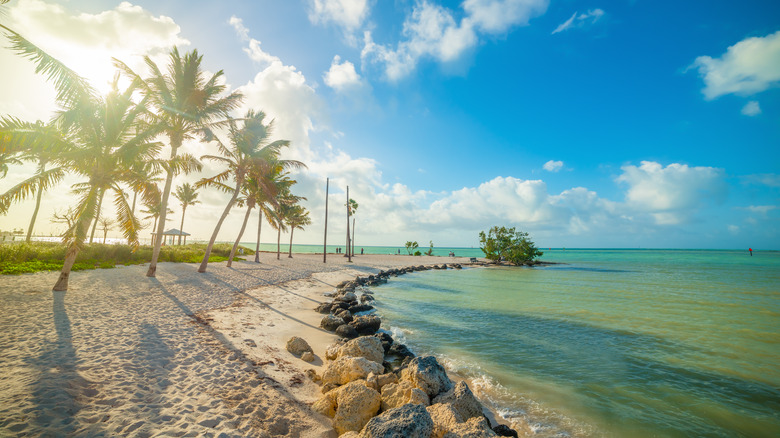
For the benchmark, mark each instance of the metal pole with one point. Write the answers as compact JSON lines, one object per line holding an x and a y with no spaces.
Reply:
{"x":349,"y":255}
{"x":325,"y":240}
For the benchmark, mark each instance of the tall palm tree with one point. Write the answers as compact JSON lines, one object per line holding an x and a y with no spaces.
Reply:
{"x":184,"y":103}
{"x":284,"y":209}
{"x":249,"y":149}
{"x":352,"y":206}
{"x":297,"y":217}
{"x":32,"y":142}
{"x":187,"y":195}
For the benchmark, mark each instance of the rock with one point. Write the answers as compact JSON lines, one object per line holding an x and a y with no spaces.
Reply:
{"x":326,"y":405}
{"x":366,"y":346}
{"x":444,"y":417}
{"x":504,"y":430}
{"x":378,"y":381}
{"x":357,"y":308}
{"x":350,"y":434}
{"x":427,"y":374}
{"x":313,"y":376}
{"x":395,"y":395}
{"x":349,"y":297}
{"x":366,"y":325}
{"x":400,"y":350}
{"x":331,"y":322}
{"x":332,"y":351}
{"x":344,"y":314}
{"x":365,"y":298}
{"x":386,"y":339}
{"x":347,"y":331}
{"x":327,"y":387}
{"x":347,"y":369}
{"x":407,"y":421}
{"x":355,"y":405}
{"x":297,"y":346}
{"x":323,"y":308}
{"x":477,"y":427}
{"x":462,"y":400}
{"x":308,"y":357}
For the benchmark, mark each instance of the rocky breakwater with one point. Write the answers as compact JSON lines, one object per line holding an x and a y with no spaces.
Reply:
{"x":374,"y":387}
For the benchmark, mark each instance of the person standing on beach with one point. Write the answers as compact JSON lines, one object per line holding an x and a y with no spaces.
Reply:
{"x":751,"y":251}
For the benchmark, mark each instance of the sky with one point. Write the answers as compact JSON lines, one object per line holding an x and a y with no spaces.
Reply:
{"x":602,"y":124}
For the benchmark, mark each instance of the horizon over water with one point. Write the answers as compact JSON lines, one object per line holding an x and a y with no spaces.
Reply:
{"x":613,"y":342}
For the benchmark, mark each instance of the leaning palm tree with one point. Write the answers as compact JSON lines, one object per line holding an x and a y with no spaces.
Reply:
{"x":187,"y":195}
{"x":184,"y":103}
{"x":32,"y":142}
{"x":297,"y":217}
{"x":249,"y":149}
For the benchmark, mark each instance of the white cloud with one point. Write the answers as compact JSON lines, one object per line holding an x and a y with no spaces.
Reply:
{"x":751,"y":109}
{"x":553,"y":166}
{"x":342,"y":76}
{"x":238,"y":25}
{"x":672,"y":193}
{"x":578,"y":21}
{"x":733,"y":229}
{"x":431,"y":31}
{"x":748,"y":67}
{"x":761,"y":209}
{"x":347,"y":14}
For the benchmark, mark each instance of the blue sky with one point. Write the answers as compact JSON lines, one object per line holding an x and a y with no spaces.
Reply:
{"x":592,"y":124}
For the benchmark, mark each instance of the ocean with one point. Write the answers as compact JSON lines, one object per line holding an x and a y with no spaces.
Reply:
{"x":618,"y":343}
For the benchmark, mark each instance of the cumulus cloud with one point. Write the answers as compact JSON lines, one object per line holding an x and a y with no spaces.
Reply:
{"x":342,"y":75}
{"x":581,"y":20}
{"x":347,"y":14}
{"x":751,"y":109}
{"x":553,"y":166}
{"x":748,"y":67}
{"x":672,"y":193}
{"x":432,"y":31}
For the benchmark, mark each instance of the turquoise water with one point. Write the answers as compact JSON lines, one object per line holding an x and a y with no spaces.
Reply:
{"x":310,"y":249}
{"x":623,"y":343}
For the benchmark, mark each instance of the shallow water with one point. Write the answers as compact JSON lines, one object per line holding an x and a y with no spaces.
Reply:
{"x":624,"y":343}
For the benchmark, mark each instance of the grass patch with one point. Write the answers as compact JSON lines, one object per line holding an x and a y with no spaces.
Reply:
{"x":23,"y":258}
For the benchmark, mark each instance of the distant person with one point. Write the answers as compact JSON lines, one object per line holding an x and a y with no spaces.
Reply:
{"x":361,"y":251}
{"x":399,"y":251}
{"x":751,"y":251}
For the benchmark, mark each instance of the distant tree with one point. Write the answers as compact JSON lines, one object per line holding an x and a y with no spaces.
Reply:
{"x":187,"y":195}
{"x":296,"y":217}
{"x":430,"y":250}
{"x":105,"y":225}
{"x":352,"y":206}
{"x":411,"y":246}
{"x":508,"y":244}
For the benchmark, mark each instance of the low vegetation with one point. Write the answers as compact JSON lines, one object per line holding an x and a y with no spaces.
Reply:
{"x":508,"y":244}
{"x":22,"y":258}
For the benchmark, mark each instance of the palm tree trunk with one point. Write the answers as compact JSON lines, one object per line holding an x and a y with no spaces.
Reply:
{"x":278,"y":242}
{"x":175,"y":143}
{"x":132,"y":210}
{"x":181,"y":227}
{"x":154,"y":227}
{"x":292,"y":230}
{"x":353,"y":237}
{"x":238,"y":239}
{"x":259,"y":225}
{"x":35,"y":212}
{"x":70,"y":259}
{"x":205,"y":262}
{"x":105,"y":235}
{"x":97,"y":216}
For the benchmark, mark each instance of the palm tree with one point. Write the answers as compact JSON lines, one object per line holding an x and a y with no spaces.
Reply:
{"x":284,"y":209}
{"x":297,"y":217}
{"x":152,"y":211}
{"x":7,"y":158}
{"x":187,"y":195}
{"x":184,"y":103}
{"x":352,"y":206}
{"x":32,"y":142}
{"x":105,"y":225}
{"x":249,"y":150}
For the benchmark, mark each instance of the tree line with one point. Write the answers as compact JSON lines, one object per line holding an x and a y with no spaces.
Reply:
{"x":113,"y":143}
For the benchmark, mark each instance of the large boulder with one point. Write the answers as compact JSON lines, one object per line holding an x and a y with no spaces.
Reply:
{"x":347,"y":331}
{"x":387,"y":340}
{"x":366,"y":346}
{"x":323,"y":308}
{"x":344,"y":314}
{"x":462,"y":400}
{"x":427,"y":374}
{"x":504,"y":430}
{"x":395,"y":395}
{"x":399,"y":350}
{"x":297,"y":346}
{"x":366,"y":324}
{"x":476,"y":427}
{"x":331,"y":322}
{"x":407,"y":421}
{"x":355,"y":405}
{"x":349,"y":297}
{"x":378,"y":381}
{"x":444,"y":417}
{"x":347,"y":369}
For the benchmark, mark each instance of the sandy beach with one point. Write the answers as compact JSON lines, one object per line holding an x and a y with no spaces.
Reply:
{"x":182,"y":354}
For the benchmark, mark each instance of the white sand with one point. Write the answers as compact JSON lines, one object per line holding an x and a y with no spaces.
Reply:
{"x":185,"y":354}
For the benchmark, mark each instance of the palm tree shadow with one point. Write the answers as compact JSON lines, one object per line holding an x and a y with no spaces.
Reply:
{"x":59,"y":387}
